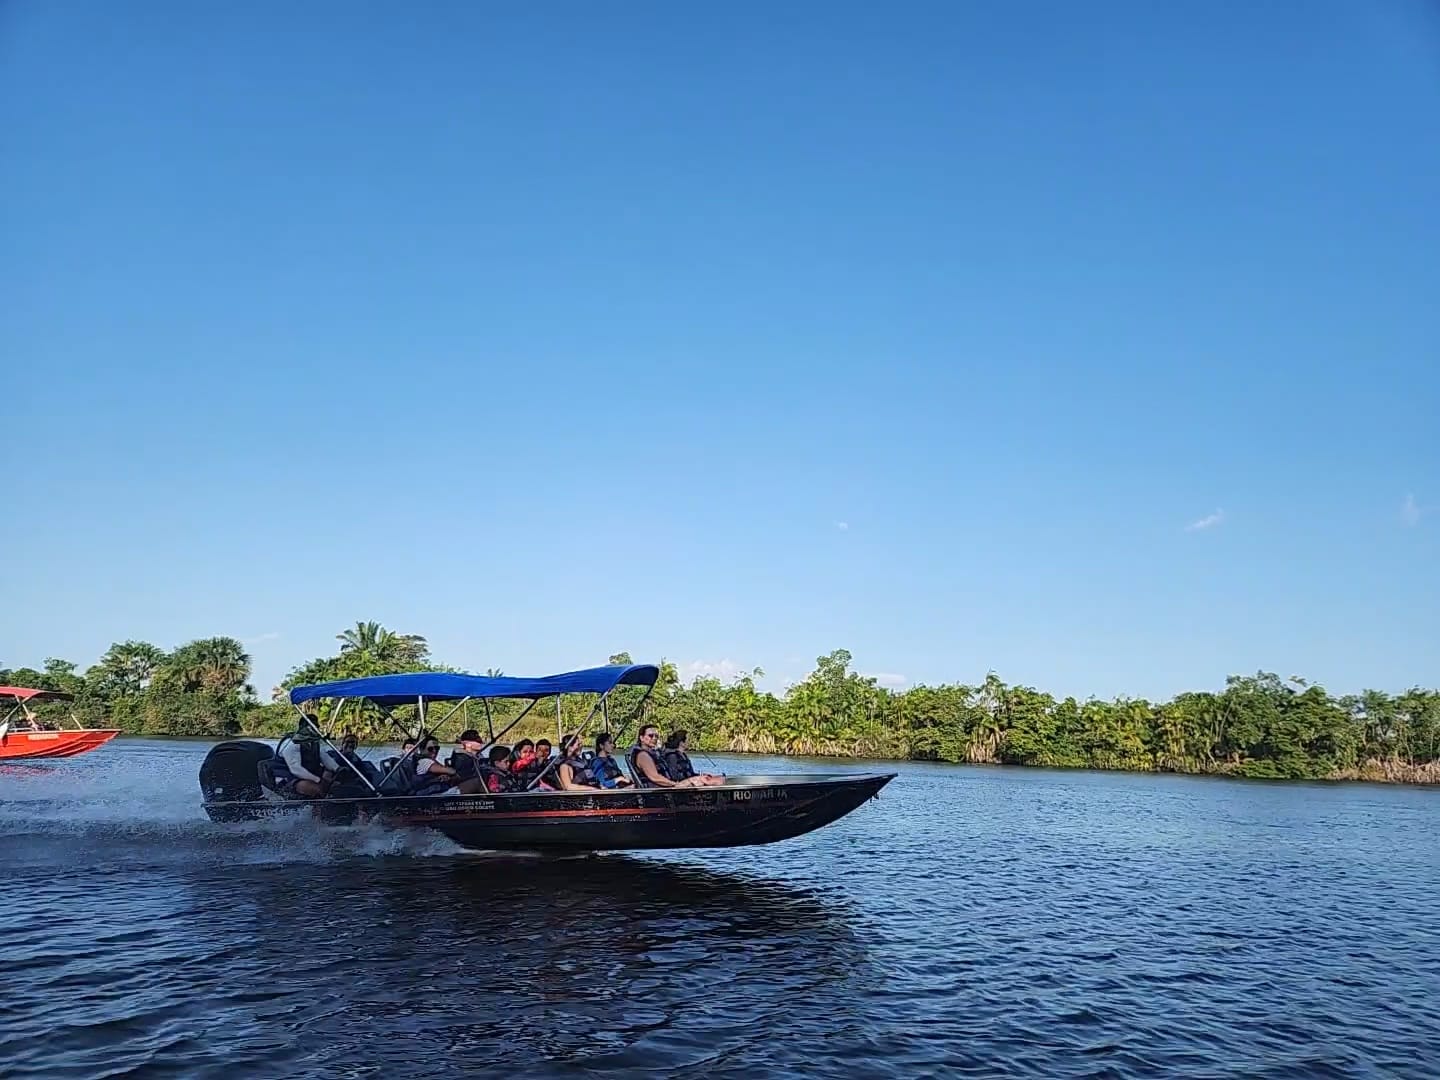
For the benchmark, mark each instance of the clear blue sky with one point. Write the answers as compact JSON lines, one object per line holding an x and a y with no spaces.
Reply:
{"x":732,"y":334}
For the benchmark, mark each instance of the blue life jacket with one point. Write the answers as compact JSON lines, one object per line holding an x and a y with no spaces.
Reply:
{"x":607,"y":770}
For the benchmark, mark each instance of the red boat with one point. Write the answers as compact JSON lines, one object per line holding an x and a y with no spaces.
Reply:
{"x":25,"y":736}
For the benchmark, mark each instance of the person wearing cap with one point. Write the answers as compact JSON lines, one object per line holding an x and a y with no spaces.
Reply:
{"x":312,"y":764}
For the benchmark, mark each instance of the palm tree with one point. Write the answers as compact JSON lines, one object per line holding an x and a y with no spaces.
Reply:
{"x":384,"y":646}
{"x":132,"y":664}
{"x":219,"y":664}
{"x":362,"y":637}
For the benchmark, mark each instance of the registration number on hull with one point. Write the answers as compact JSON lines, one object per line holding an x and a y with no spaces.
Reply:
{"x":757,"y":796}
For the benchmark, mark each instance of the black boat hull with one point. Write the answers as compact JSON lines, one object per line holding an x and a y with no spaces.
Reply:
{"x":744,"y":810}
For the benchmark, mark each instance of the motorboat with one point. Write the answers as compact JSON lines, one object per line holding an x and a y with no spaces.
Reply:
{"x":238,"y":778}
{"x":26,"y":735}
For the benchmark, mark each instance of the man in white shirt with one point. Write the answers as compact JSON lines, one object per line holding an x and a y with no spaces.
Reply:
{"x":310,"y":761}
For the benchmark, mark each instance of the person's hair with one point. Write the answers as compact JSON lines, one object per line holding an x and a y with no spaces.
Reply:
{"x":570,"y":744}
{"x":648,"y":727}
{"x":675,"y":739}
{"x":603,"y":738}
{"x":499,"y":754}
{"x":469,"y":735}
{"x":543,"y":742}
{"x":408,"y":742}
{"x":524,"y":743}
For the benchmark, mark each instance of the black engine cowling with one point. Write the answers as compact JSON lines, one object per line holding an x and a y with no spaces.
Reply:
{"x":231,"y":771}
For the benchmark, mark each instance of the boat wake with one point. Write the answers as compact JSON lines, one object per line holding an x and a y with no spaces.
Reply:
{"x":131,"y":844}
{"x":63,"y":814}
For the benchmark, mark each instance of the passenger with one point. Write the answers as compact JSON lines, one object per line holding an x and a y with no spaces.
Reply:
{"x":428,"y":770}
{"x":406,"y":747}
{"x":494,"y":775}
{"x":573,"y":772}
{"x":538,"y":765}
{"x":312,"y":764}
{"x":497,"y":775}
{"x":608,"y":773}
{"x":677,"y":762}
{"x":647,"y":765}
{"x":523,"y":765}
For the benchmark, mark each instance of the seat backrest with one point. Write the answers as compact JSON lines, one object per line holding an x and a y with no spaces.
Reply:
{"x":402,"y":780}
{"x":464,"y":764}
{"x":273,"y":772}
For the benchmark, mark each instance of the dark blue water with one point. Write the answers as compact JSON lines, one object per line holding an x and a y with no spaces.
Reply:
{"x":970,"y":922}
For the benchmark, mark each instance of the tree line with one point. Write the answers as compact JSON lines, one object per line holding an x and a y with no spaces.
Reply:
{"x":1258,"y":726}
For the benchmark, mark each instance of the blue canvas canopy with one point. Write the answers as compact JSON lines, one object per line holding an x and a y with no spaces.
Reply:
{"x":444,"y":686}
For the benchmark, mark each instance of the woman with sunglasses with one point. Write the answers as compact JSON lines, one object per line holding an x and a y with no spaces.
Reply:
{"x":647,"y":763}
{"x":429,"y":773}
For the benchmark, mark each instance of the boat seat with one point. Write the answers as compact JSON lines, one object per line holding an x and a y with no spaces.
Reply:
{"x":274,"y":776}
{"x":402,"y":780}
{"x":464,"y":765}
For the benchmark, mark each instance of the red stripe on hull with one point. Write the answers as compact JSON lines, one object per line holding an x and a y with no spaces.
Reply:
{"x":485,"y":815}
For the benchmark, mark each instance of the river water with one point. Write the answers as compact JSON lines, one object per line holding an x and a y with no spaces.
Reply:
{"x":971,"y":921}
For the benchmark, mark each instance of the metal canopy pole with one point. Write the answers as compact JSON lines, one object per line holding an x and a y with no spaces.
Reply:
{"x":489,"y":720}
{"x":395,"y":725}
{"x":446,"y":718}
{"x":501,"y":733}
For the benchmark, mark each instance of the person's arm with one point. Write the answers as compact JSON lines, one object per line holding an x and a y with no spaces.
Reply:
{"x":291,"y":756}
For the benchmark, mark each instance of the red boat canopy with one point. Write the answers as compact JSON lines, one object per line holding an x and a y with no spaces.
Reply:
{"x":23,"y":693}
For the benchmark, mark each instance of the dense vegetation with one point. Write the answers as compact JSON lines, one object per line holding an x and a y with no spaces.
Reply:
{"x":1258,"y":726}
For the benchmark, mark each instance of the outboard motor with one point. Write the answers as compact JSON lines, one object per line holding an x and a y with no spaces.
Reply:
{"x":231,"y":771}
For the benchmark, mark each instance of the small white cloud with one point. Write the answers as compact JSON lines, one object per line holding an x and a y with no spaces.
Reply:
{"x":724,"y":670}
{"x":273,"y":635}
{"x":888,"y":679}
{"x":1410,"y":511}
{"x":1209,"y":521}
{"x":843,"y":526}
